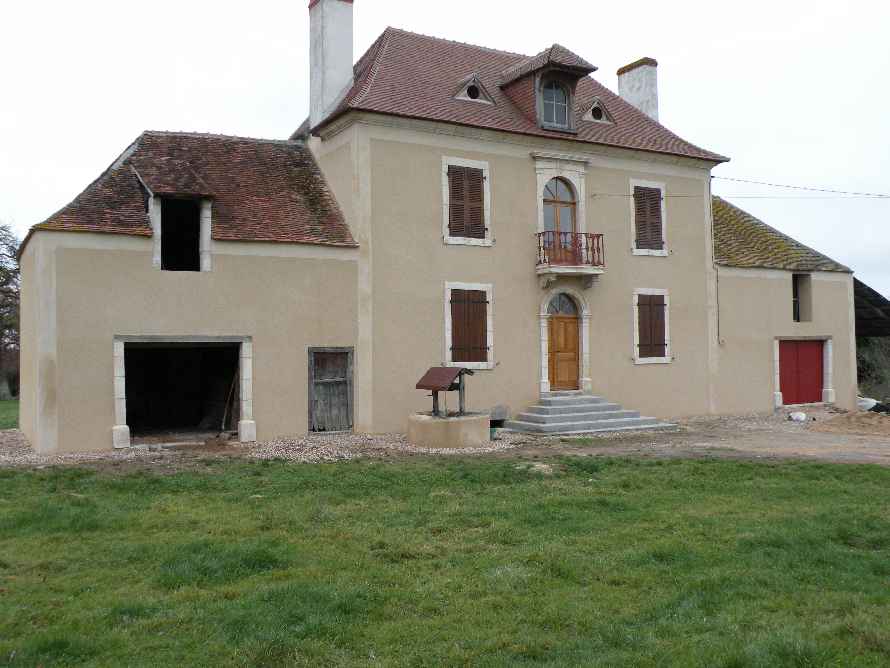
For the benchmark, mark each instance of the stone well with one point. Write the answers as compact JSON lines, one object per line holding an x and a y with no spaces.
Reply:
{"x":461,"y":431}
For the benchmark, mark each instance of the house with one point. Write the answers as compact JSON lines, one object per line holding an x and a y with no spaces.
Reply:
{"x":443,"y":204}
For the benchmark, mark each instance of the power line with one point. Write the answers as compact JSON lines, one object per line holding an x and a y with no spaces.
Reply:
{"x":848,"y":193}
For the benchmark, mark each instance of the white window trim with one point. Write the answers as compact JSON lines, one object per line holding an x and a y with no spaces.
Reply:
{"x":486,"y":205}
{"x":668,"y":358}
{"x":206,"y":240}
{"x":573,"y":169}
{"x":489,"y":297}
{"x":633,"y":219}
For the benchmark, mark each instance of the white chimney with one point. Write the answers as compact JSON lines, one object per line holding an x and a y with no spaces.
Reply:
{"x":638,"y":84}
{"x":330,"y":55}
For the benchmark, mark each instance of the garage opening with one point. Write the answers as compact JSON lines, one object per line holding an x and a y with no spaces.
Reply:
{"x":182,"y":392}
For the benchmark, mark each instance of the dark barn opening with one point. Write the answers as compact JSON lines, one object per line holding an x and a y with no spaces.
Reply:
{"x":180,"y":235}
{"x":182,"y":388}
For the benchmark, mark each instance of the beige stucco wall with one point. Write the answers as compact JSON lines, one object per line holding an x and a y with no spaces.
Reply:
{"x":286,"y":297}
{"x":755,"y":311}
{"x":410,"y":265}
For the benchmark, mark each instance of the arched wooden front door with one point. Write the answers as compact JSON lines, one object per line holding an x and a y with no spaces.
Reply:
{"x":563,"y":340}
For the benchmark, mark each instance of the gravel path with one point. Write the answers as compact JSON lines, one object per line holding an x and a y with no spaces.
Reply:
{"x":746,"y":437}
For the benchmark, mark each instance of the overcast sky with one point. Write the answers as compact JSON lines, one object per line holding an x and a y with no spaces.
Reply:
{"x":793,"y":92}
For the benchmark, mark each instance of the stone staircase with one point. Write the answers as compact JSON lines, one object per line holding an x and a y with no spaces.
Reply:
{"x":573,"y":412}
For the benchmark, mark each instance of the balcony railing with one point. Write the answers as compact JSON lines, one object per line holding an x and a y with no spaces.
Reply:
{"x":570,"y":249}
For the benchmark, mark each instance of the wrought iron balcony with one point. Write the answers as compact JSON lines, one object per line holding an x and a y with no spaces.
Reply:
{"x":570,"y":254}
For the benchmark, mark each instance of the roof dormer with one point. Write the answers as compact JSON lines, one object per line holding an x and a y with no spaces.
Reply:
{"x":472,"y":90}
{"x":543,"y":87}
{"x":597,"y":113}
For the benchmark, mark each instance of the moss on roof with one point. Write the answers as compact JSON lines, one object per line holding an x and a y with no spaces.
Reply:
{"x":741,"y":240}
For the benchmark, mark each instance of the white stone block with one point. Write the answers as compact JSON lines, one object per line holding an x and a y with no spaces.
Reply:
{"x":247,"y":431}
{"x":247,"y":409}
{"x":247,"y":368}
{"x":119,"y":370}
{"x":120,"y":436}
{"x":120,"y":387}
{"x":246,"y":387}
{"x":119,"y":349}
{"x":120,"y":411}
{"x":828,"y":396}
{"x":246,"y":349}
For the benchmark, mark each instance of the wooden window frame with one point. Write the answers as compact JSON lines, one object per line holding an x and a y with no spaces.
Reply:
{"x":572,"y":203}
{"x":663,"y":252}
{"x":488,"y":289}
{"x":553,"y":125}
{"x":448,"y":161}
{"x":668,"y":355}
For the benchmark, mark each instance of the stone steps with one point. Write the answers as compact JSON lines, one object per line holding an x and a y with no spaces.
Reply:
{"x":573,"y":412}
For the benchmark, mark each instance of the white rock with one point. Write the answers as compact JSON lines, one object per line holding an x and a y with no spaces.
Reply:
{"x":797,"y":416}
{"x":865,"y":404}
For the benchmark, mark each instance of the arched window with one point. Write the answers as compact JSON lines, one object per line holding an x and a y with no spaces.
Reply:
{"x":562,"y":304}
{"x":559,"y":207}
{"x":556,"y":104}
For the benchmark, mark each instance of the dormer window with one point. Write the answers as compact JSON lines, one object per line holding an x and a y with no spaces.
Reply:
{"x":472,"y":90}
{"x":555,"y":100}
{"x":180,"y":234}
{"x":597,"y":113}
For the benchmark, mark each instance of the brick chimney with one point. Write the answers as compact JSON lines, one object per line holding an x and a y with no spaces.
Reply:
{"x":330,"y":55}
{"x":638,"y":84}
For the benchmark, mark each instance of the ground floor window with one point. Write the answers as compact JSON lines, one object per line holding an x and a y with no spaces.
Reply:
{"x":651,"y":326}
{"x":468,"y":325}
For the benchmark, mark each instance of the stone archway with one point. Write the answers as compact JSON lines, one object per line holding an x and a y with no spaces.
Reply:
{"x":585,"y":383}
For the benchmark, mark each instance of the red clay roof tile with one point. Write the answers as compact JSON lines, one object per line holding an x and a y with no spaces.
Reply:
{"x":415,"y":76}
{"x":263,"y":190}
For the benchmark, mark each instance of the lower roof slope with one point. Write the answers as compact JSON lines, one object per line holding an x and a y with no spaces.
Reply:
{"x":416,"y":76}
{"x":262,"y":190}
{"x":741,"y":240}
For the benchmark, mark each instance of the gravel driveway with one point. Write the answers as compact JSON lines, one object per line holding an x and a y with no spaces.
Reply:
{"x":827,"y":436}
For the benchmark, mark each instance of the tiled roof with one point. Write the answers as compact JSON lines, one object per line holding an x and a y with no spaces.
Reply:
{"x":741,"y":240}
{"x":415,"y":76}
{"x":262,"y":190}
{"x":556,"y":55}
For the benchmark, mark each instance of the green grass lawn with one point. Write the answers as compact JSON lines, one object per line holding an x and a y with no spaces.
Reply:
{"x":9,"y":414}
{"x":443,"y":562}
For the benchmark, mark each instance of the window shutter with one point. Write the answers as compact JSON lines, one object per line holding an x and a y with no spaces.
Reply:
{"x":469,"y":326}
{"x":647,"y":218}
{"x":644,"y":319}
{"x":659,"y":339}
{"x":466,"y":202}
{"x":475,"y":225}
{"x":651,"y":324}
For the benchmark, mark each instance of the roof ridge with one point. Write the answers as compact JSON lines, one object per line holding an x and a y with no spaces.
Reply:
{"x":458,"y":42}
{"x":214,"y":135}
{"x":381,"y":43}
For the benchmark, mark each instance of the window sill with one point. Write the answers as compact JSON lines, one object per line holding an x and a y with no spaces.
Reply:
{"x":468,"y":241}
{"x":653,"y":360}
{"x":471,"y":365}
{"x":559,"y":128}
{"x":646,"y":251}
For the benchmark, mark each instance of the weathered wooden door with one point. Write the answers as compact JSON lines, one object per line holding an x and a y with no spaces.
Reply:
{"x":563,"y":339}
{"x":330,"y":389}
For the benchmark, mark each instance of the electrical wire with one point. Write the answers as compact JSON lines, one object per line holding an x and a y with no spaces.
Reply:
{"x":810,"y":188}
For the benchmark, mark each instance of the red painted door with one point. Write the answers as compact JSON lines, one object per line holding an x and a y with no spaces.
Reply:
{"x":800,"y":371}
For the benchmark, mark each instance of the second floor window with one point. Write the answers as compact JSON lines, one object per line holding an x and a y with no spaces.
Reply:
{"x":555,"y":104}
{"x":648,"y":221}
{"x":466,"y":202}
{"x":180,"y":235}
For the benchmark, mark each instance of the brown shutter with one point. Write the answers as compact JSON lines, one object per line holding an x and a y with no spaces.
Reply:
{"x":651,"y":326}
{"x":647,"y":218}
{"x":466,"y":202}
{"x":644,"y":318}
{"x":469,"y":326}
{"x":658,"y":340}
